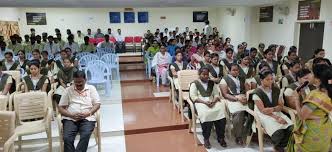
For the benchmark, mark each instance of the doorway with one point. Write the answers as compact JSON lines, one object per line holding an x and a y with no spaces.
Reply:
{"x":310,"y":39}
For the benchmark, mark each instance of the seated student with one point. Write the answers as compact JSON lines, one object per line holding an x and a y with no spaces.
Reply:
{"x":106,"y":44}
{"x":22,"y":61}
{"x":59,"y":40}
{"x":292,"y":57}
{"x":162,"y":60}
{"x":304,"y":75}
{"x":6,"y":82}
{"x":268,"y":105}
{"x":154,"y":48}
{"x":45,"y":59}
{"x":176,"y":66}
{"x":215,"y":69}
{"x":86,"y":46}
{"x":14,"y":45}
{"x":233,"y":90}
{"x":274,"y":65}
{"x":52,"y":71}
{"x":318,"y":53}
{"x":205,"y":95}
{"x":65,"y":78}
{"x":50,"y":46}
{"x":193,"y":64}
{"x":32,"y":45}
{"x":63,"y":55}
{"x":78,"y":106}
{"x":71,"y":44}
{"x":9,"y":63}
{"x":206,"y":60}
{"x":255,"y":82}
{"x":226,"y":62}
{"x":247,"y":72}
{"x":290,"y":78}
{"x":253,"y":57}
{"x":35,"y":81}
{"x":36,"y":55}
{"x":72,"y":56}
{"x":200,"y":53}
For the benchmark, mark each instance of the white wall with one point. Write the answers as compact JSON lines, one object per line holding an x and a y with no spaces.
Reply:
{"x":286,"y":33}
{"x":84,"y":18}
{"x":236,"y":27}
{"x":9,"y":14}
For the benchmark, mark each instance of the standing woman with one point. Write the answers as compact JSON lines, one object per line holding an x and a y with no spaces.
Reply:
{"x":312,"y":130}
{"x":162,"y":59}
{"x":205,"y":95}
{"x":35,"y":81}
{"x":268,"y":106}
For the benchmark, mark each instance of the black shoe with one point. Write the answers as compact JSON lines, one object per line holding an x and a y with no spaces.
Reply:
{"x":222,"y":142}
{"x":207,"y":144}
{"x":279,"y":149}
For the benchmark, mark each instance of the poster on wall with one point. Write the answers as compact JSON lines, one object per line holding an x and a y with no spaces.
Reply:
{"x":309,"y":10}
{"x":200,"y":16}
{"x":143,"y":17}
{"x":36,"y":18}
{"x":266,"y":14}
{"x":115,"y":17}
{"x":129,"y":17}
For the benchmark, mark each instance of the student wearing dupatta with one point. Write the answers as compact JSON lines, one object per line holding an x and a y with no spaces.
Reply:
{"x":216,"y":70}
{"x":205,"y":95}
{"x":36,"y":81}
{"x":312,"y":131}
{"x":161,"y":62}
{"x":290,"y":78}
{"x":178,"y":65}
{"x":233,"y":90}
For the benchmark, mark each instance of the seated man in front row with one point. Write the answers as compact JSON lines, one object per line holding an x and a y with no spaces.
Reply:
{"x":78,"y":106}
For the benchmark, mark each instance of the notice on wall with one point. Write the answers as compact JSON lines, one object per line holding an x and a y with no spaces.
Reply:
{"x":36,"y":18}
{"x":309,"y":10}
{"x":200,"y":16}
{"x":266,"y":14}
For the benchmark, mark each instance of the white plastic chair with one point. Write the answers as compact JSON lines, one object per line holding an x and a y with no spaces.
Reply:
{"x":97,"y":73}
{"x":57,"y":57}
{"x":16,"y":75}
{"x":148,"y":64}
{"x":33,"y":115}
{"x":83,"y":62}
{"x":7,"y":128}
{"x":81,"y":54}
{"x":113,"y":62}
{"x":100,"y":53}
{"x":3,"y":102}
{"x":50,"y":56}
{"x":29,"y":56}
{"x":101,"y":49}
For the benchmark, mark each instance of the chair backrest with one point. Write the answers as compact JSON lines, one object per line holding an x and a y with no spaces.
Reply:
{"x":100,"y":49}
{"x":83,"y":61}
{"x":7,"y":126}
{"x":92,"y":40}
{"x":138,"y":39}
{"x":100,"y":53}
{"x":110,"y":58}
{"x":129,"y":39}
{"x":3,"y":102}
{"x":96,"y":70}
{"x":98,"y":40}
{"x":186,"y":77}
{"x":81,"y":54}
{"x":28,"y":56}
{"x":112,"y":39}
{"x":15,"y":74}
{"x":50,"y":56}
{"x":30,"y":105}
{"x":57,"y":57}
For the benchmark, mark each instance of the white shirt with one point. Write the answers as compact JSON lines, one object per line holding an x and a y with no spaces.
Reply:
{"x":119,"y":38}
{"x":51,"y":48}
{"x":74,"y":47}
{"x":80,"y":102}
{"x":208,"y":30}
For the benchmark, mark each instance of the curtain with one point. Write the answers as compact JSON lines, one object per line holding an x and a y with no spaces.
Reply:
{"x":8,"y":28}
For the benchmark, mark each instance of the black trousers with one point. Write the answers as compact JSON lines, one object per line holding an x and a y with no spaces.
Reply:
{"x":71,"y":129}
{"x":280,"y":137}
{"x":220,"y":128}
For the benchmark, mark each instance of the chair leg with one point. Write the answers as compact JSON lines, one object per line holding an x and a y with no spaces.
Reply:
{"x":99,"y":139}
{"x":195,"y":132}
{"x":260,"y":139}
{"x":118,"y":73}
{"x":190,"y":122}
{"x":49,"y":138}
{"x":19,"y":143}
{"x":249,"y":140}
{"x":181,"y":110}
{"x":157,"y":79}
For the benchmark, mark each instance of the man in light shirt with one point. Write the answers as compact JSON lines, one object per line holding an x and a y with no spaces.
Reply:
{"x":119,"y":37}
{"x":71,"y":44}
{"x":207,"y":29}
{"x":78,"y":106}
{"x":99,"y":34}
{"x":107,"y":44}
{"x":80,"y":37}
{"x":51,"y":47}
{"x":89,"y":34}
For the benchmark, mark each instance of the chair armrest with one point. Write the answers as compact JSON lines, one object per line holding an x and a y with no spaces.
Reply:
{"x":9,"y":144}
{"x":19,"y":86}
{"x":192,"y":107}
{"x":60,"y":126}
{"x":291,"y":112}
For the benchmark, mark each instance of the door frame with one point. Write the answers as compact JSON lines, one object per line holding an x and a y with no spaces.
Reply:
{"x":298,"y":29}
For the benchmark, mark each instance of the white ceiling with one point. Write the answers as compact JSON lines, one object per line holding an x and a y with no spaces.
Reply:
{"x":132,"y":3}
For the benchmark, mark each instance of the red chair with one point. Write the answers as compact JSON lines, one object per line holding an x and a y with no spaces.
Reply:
{"x":138,"y":43}
{"x":129,"y":42}
{"x":93,"y":41}
{"x":98,"y":40}
{"x":112,"y":39}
